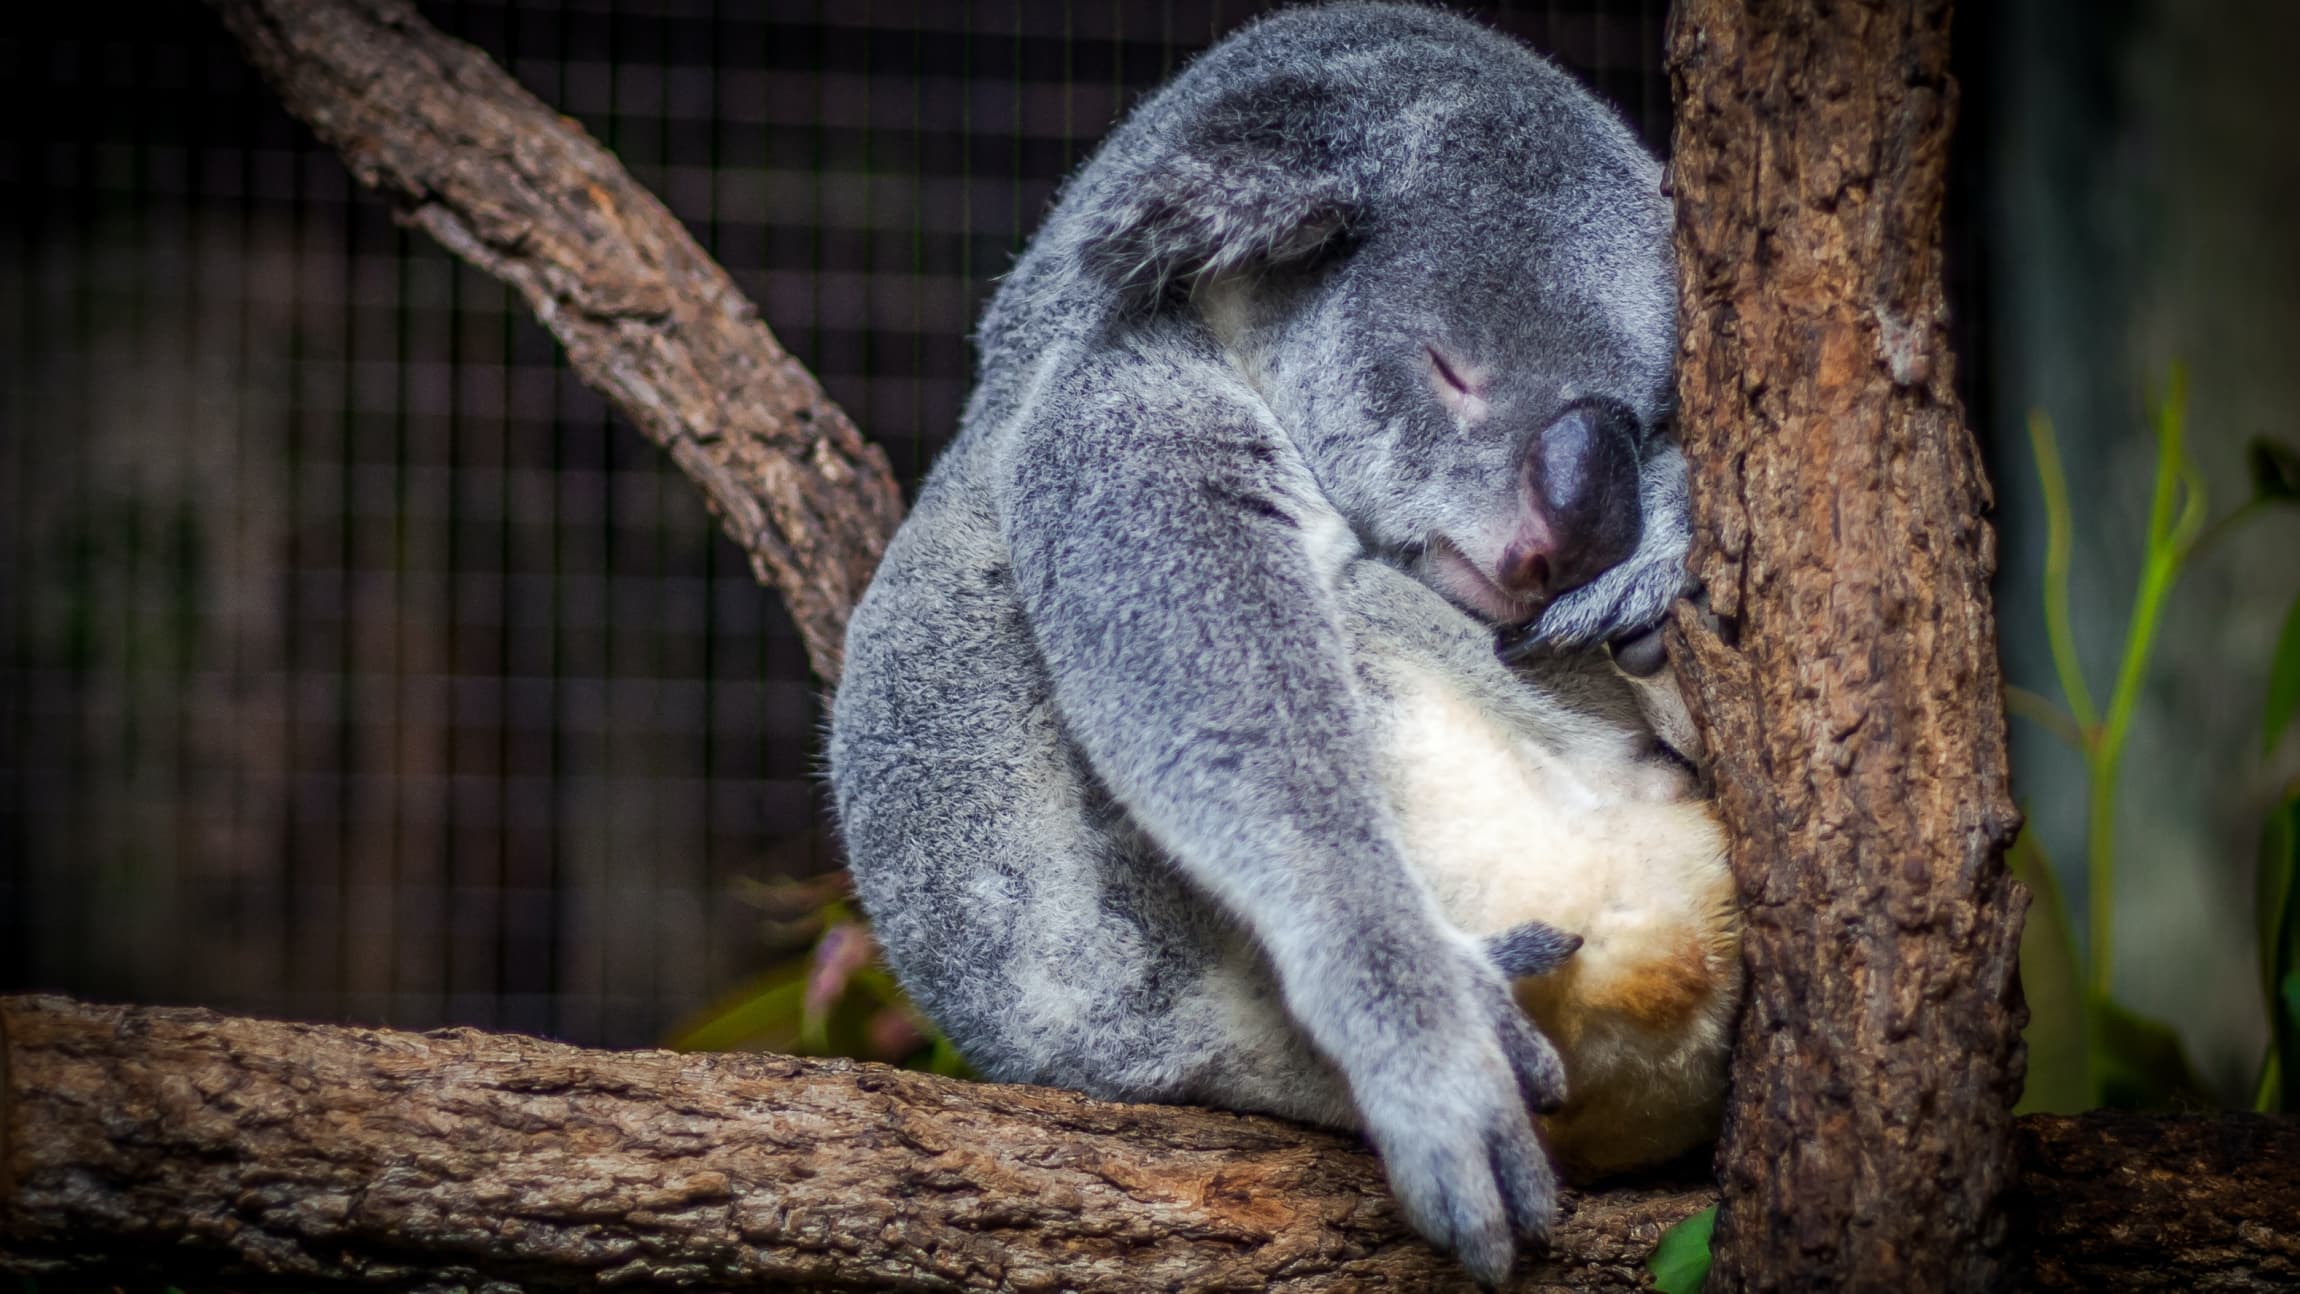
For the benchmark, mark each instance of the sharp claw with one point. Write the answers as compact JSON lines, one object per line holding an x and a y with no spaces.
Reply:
{"x":1639,"y":655}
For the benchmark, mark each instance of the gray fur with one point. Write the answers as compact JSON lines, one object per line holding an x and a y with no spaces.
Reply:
{"x":1102,"y":753}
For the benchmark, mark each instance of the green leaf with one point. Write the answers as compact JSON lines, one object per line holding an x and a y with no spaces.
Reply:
{"x":2142,"y":1065}
{"x":2276,"y":896}
{"x":1681,"y":1261}
{"x":2283,"y":681}
{"x":766,"y":1014}
{"x":2059,"y":1070}
{"x":944,"y":1059}
{"x":2058,"y":544}
{"x":2275,"y":470}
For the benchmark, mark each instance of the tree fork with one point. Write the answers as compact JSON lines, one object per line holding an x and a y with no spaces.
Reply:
{"x":1851,"y":697}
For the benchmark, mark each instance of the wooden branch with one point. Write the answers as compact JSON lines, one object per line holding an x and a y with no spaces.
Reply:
{"x":139,"y":1143}
{"x":1854,"y":708}
{"x":2116,"y":1201}
{"x":647,"y":318}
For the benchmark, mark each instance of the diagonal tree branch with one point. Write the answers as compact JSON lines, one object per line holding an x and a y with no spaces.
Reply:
{"x":647,"y":318}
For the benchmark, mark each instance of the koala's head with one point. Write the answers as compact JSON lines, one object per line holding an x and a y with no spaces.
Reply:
{"x":1446,"y":268}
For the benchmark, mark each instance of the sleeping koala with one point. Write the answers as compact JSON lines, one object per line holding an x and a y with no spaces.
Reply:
{"x":1364,"y":284}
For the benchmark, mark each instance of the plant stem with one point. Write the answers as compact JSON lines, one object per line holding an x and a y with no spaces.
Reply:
{"x":2039,"y":710}
{"x":2170,"y":540}
{"x":2054,"y":482}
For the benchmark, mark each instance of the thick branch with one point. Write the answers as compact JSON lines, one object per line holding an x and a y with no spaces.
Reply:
{"x":142,"y":1141}
{"x":1856,"y":719}
{"x":648,"y":319}
{"x":137,"y":1142}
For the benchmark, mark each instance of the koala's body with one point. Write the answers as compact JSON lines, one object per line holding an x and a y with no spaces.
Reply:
{"x":1365,"y":283}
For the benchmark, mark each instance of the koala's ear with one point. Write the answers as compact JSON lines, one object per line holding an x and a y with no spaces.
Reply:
{"x":1259,"y":178}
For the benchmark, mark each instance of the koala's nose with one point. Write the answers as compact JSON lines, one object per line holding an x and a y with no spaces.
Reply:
{"x":1579,"y":514}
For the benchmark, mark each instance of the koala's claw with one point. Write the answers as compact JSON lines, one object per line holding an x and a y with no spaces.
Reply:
{"x":1476,"y":1194}
{"x":1640,"y":655}
{"x":1540,"y":1074}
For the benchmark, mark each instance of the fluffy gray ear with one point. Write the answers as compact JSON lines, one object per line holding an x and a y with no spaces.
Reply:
{"x":1260,"y":178}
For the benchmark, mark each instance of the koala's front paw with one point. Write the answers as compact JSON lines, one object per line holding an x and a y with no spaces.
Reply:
{"x":1455,"y":1134}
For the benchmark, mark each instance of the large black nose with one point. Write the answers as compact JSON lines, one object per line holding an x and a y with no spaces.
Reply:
{"x":1579,"y":514}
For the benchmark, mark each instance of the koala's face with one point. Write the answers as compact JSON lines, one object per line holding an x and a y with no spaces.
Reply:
{"x":1480,"y":379}
{"x":1447,"y":269}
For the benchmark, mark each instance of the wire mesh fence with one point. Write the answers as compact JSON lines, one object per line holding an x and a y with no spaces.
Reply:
{"x":358,"y":664}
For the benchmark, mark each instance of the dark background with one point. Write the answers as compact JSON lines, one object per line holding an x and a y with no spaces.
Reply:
{"x":357,"y":664}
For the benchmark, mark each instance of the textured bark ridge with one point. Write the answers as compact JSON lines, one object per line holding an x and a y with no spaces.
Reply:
{"x":139,"y":1144}
{"x":1852,"y":699}
{"x":647,"y":318}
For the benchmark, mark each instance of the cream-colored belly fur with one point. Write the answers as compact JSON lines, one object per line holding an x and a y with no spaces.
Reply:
{"x":1615,"y":850}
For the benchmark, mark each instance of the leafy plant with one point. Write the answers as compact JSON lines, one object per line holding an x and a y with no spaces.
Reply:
{"x":2278,"y":1087}
{"x":833,"y":999}
{"x":1680,"y":1263}
{"x":2085,"y":1048}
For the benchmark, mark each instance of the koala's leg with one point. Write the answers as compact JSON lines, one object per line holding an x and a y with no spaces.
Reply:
{"x":1016,"y":902}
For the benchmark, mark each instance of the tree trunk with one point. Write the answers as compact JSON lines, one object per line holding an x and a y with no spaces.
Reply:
{"x":648,"y":319}
{"x":1851,"y":696}
{"x":145,"y":1145}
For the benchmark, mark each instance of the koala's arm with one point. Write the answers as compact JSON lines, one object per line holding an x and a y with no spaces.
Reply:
{"x":1177,"y":568}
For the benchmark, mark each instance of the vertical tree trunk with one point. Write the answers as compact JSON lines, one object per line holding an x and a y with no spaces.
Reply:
{"x":1851,"y":695}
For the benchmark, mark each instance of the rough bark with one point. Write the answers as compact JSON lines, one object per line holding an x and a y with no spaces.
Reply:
{"x":2114,"y":1201}
{"x":139,"y":1143}
{"x":1852,"y":697}
{"x":647,"y":318}
{"x":143,"y":1142}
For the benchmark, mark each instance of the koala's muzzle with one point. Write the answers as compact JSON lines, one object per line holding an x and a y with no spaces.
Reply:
{"x":1580,"y":514}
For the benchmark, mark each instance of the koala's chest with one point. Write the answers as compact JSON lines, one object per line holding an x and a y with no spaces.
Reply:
{"x":1504,"y":827}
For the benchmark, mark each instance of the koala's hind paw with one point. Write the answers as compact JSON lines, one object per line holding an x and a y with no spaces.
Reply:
{"x":1535,"y":948}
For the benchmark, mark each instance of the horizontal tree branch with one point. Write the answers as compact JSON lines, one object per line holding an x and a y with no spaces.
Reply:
{"x":140,"y":1143}
{"x":648,"y":319}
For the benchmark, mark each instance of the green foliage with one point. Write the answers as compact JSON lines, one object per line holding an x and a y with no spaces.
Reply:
{"x":2278,"y":909}
{"x":1680,"y":1263}
{"x":2283,"y":682}
{"x":2085,"y":1048}
{"x":834,"y":999}
{"x":2059,"y":1060}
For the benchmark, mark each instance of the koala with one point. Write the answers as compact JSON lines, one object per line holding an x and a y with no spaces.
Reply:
{"x":1366,"y":286}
